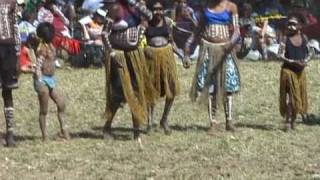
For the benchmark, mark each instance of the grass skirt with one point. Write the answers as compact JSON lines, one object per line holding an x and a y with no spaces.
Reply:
{"x":294,"y":85}
{"x":163,"y":72}
{"x":127,"y":83}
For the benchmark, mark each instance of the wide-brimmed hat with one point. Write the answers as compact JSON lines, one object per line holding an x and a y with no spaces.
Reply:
{"x":20,"y":2}
{"x":102,"y":12}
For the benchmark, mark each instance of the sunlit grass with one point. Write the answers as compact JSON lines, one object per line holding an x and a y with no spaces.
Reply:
{"x":260,"y":150}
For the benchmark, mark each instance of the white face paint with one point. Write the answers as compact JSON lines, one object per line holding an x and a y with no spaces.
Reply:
{"x":293,"y":24}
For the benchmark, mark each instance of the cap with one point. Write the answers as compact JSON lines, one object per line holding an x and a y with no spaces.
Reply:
{"x":102,"y":12}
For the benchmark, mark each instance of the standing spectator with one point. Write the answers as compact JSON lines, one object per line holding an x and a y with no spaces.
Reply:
{"x":9,"y":49}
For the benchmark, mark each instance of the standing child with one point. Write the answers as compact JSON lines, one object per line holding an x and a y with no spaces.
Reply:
{"x":293,"y":88}
{"x":44,"y":80}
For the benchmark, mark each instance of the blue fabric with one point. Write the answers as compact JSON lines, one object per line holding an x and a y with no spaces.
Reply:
{"x":232,"y":78}
{"x":202,"y":74}
{"x":49,"y":81}
{"x":92,"y":5}
{"x":223,"y":17}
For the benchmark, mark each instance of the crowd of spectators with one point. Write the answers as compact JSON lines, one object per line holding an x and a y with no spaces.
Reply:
{"x":261,"y":36}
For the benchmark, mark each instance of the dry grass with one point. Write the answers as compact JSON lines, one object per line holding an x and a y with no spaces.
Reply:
{"x":259,"y":151}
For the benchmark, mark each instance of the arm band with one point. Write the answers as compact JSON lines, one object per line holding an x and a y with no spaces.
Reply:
{"x":236,"y":31}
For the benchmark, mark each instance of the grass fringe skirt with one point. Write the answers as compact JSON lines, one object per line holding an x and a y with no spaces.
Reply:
{"x":132,"y":77}
{"x":163,"y":72}
{"x":294,"y":85}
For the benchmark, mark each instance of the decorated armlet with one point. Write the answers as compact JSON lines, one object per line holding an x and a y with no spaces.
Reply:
{"x":39,"y":63}
{"x":236,"y":32}
{"x":141,"y":31}
{"x":189,"y":42}
{"x":310,"y":54}
{"x":16,"y":28}
{"x":106,"y":32}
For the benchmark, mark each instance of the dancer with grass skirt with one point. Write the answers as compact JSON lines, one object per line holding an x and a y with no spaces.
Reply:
{"x":217,"y":76}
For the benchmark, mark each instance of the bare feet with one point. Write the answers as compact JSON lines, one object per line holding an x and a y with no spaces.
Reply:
{"x":165,"y":127}
{"x":10,"y":142}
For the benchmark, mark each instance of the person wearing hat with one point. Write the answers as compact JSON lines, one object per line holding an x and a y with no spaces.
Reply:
{"x":93,"y":37}
{"x":295,"y":53}
{"x":127,"y":79}
{"x":9,"y":49}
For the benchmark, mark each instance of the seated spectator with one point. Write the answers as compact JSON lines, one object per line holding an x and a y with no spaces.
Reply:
{"x":50,"y":13}
{"x":264,"y":36}
{"x":27,"y":56}
{"x":94,"y":33}
{"x":26,"y":26}
{"x":26,"y":30}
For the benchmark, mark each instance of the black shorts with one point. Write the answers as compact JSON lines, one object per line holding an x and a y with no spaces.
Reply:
{"x":8,"y":67}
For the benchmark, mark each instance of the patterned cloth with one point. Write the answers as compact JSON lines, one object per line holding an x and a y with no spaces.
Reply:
{"x":9,"y":32}
{"x":216,"y":74}
{"x":232,"y":78}
{"x":45,"y":15}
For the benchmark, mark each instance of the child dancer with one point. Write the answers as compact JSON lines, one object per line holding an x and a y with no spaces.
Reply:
{"x":293,"y":88}
{"x":44,"y":80}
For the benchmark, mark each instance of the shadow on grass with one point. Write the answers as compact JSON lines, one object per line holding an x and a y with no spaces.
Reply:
{"x":20,"y":138}
{"x":189,"y":128}
{"x":120,"y":133}
{"x":86,"y":135}
{"x":264,"y":127}
{"x":311,"y":120}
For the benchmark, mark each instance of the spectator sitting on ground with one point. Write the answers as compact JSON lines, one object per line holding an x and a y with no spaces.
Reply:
{"x":93,"y":36}
{"x":26,"y":26}
{"x":264,"y":36}
{"x":26,"y":30}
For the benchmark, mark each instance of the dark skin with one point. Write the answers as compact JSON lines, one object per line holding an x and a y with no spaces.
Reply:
{"x":216,"y":6}
{"x":44,"y":93}
{"x":158,"y":21}
{"x":294,"y":35}
{"x":117,"y":100}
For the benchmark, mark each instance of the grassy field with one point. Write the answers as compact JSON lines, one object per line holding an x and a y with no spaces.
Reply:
{"x":260,"y":150}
